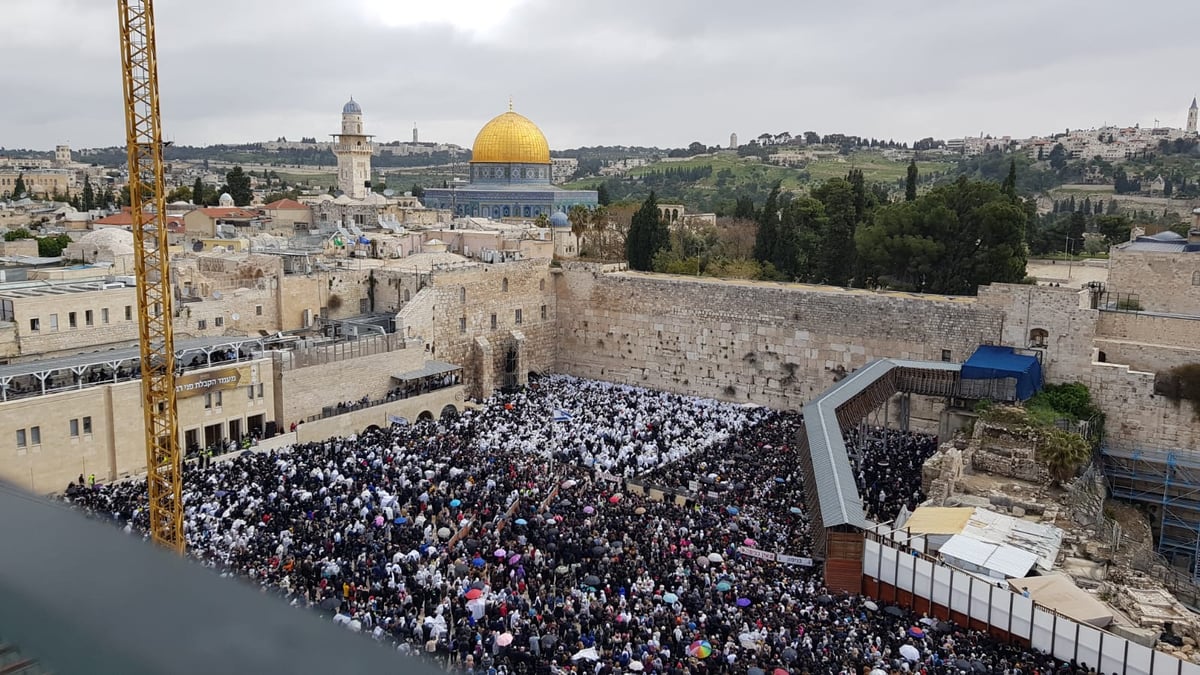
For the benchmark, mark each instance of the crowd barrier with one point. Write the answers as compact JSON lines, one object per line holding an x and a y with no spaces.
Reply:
{"x":925,"y":585}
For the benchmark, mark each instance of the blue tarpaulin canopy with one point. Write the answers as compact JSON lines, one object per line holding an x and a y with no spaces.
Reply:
{"x":993,"y":363}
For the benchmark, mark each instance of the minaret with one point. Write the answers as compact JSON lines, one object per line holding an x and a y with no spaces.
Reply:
{"x":414,"y":133}
{"x":1191,"y":125}
{"x":353,"y":150}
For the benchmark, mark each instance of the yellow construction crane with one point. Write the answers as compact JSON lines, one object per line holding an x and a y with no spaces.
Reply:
{"x":143,"y":136}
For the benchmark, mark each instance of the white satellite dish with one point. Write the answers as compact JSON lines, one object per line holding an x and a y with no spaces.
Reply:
{"x":216,"y":295}
{"x":389,"y":192}
{"x":235,"y":316}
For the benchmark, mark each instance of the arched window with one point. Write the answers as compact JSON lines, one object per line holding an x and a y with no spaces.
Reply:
{"x":504,"y":285}
{"x":1196,"y":278}
{"x":674,"y":214}
{"x":541,"y":284}
{"x":1038,"y":337}
{"x":406,"y":295}
{"x":507,"y":212}
{"x":462,"y":294}
{"x":526,"y":211}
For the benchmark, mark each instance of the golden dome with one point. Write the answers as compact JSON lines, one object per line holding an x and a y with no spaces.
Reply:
{"x":510,"y":138}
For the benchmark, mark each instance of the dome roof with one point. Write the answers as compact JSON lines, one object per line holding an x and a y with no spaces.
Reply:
{"x":560,"y":219}
{"x":351,"y":107}
{"x":225,"y":199}
{"x":510,"y":138}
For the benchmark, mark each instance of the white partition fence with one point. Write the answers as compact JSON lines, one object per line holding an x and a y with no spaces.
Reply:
{"x":893,"y":573}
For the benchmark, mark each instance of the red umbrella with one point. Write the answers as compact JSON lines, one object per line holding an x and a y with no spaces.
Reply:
{"x":474,"y":594}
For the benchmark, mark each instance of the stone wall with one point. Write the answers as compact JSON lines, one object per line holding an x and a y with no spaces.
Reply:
{"x":774,"y":344}
{"x":1135,"y":416}
{"x":1062,"y":315}
{"x":410,"y":409}
{"x":310,"y":389}
{"x":1163,"y":282}
{"x":462,"y":306}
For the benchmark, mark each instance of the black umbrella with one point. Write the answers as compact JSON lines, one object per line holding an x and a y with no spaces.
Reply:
{"x":460,"y":569}
{"x":472,"y":543}
{"x":599,"y":550}
{"x":963,"y":664}
{"x":548,"y":641}
{"x":826,"y":599}
{"x":330,"y":604}
{"x":789,"y":655}
{"x":591,"y":580}
{"x":477,"y":584}
{"x":978,"y":666}
{"x":944,"y":627}
{"x":894,"y":610}
{"x":755,"y":671}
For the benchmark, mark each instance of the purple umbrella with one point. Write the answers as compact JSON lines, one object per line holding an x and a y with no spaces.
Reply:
{"x":500,"y":553}
{"x":514,"y":558}
{"x":378,"y":521}
{"x":743,"y":602}
{"x":589,"y":510}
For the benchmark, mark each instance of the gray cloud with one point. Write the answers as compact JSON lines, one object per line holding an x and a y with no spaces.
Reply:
{"x":663,"y":73}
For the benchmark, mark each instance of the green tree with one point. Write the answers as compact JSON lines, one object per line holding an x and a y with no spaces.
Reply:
{"x":238,"y":183}
{"x":910,"y":182}
{"x":198,"y":192}
{"x":417,"y":191}
{"x":833,"y":261}
{"x":19,"y":233}
{"x":647,"y":236}
{"x":1063,"y":453}
{"x":766,"y":241}
{"x":1058,"y":157}
{"x":282,"y":194}
{"x":18,"y":190}
{"x":52,"y":246}
{"x":800,"y":229}
{"x":182,"y":193}
{"x":1010,"y":181}
{"x":950,"y":240}
{"x":125,"y":197}
{"x":602,"y":197}
{"x":744,"y":208}
{"x":89,"y":195}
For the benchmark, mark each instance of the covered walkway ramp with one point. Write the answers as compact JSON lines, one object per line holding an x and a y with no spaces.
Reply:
{"x":834,"y":503}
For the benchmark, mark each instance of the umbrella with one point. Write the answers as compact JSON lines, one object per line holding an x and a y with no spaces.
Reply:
{"x":473,"y":593}
{"x":871,"y":606}
{"x":378,"y":521}
{"x":670,"y":598}
{"x":700,"y":649}
{"x":444,"y":533}
{"x":636,"y":666}
{"x":400,"y":521}
{"x":460,"y":569}
{"x":732,"y":510}
{"x":749,"y":542}
{"x":789,"y":655}
{"x":796,"y":510}
{"x":723,"y":586}
{"x":825,"y":599}
{"x":743,"y":602}
{"x":780,"y":479}
{"x":641,"y":510}
{"x":755,"y":671}
{"x":505,"y":639}
{"x":478,"y":562}
{"x":928,"y":621}
{"x":944,"y":627}
{"x":780,"y":671}
{"x":220,"y":493}
{"x":591,"y":580}
{"x":512,"y":559}
{"x":749,"y":641}
{"x":916,"y":632}
{"x":330,"y":604}
{"x":894,"y":610}
{"x":548,"y":641}
{"x":500,"y":553}
{"x":614,"y":499}
{"x":963,"y":665}
{"x":599,"y":550}
{"x":455,"y":503}
{"x":910,"y":652}
{"x":521,"y":521}
{"x":562,"y":569}
{"x":569,"y":483}
{"x":589,"y":509}
{"x":477,"y":584}
{"x":715,"y":557}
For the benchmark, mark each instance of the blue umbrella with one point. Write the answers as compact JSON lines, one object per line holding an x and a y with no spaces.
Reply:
{"x":670,"y":598}
{"x":779,"y":479}
{"x":478,"y":562}
{"x":455,"y":503}
{"x":723,"y":586}
{"x":400,"y":521}
{"x":733,"y":510}
{"x":522,"y":521}
{"x":796,"y":510}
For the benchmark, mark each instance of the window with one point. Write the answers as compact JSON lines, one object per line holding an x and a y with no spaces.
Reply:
{"x":35,"y":435}
{"x":201,"y":324}
{"x":462,"y":324}
{"x":212,"y":400}
{"x":35,"y":325}
{"x":462,"y":295}
{"x":129,"y":312}
{"x":493,"y":322}
{"x":71,"y":322}
{"x":946,"y":355}
{"x":543,"y":312}
{"x":87,"y":425}
{"x":250,"y":392}
{"x":504,"y":285}
{"x":517,"y":317}
{"x":87,"y":318}
{"x":1038,"y":337}
{"x":258,"y":310}
{"x":104,"y":315}
{"x":541,"y":284}
{"x":74,"y":425}
{"x":219,"y":321}
{"x":21,"y":438}
{"x":260,"y":389}
{"x":363,"y":305}
{"x":53,"y":322}
{"x":1196,"y":278}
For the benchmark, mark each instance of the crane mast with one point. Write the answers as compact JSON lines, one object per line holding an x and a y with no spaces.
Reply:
{"x":143,"y":135}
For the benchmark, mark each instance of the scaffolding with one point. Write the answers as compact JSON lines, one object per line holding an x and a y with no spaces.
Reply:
{"x":1169,"y":482}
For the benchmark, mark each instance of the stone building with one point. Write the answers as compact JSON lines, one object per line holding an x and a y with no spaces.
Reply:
{"x":353,"y":150}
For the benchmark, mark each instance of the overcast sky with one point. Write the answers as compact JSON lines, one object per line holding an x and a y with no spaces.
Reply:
{"x":633,"y":72}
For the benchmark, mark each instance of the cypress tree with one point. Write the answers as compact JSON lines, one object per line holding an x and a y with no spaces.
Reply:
{"x":89,"y":195}
{"x":767,"y":239}
{"x":198,"y":192}
{"x":648,"y":235}
{"x":602,"y":197}
{"x":1010,"y":181}
{"x":910,"y":182}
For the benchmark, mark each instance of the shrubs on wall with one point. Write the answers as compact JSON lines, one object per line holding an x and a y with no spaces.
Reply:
{"x":1181,"y":383}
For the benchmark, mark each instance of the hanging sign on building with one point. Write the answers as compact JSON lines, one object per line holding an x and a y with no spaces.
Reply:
{"x":194,"y":384}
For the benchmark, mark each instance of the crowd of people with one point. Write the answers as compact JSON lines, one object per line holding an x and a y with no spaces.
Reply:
{"x":502,"y":542}
{"x":887,"y":464}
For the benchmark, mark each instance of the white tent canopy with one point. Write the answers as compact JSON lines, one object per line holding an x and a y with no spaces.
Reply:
{"x":1059,"y":593}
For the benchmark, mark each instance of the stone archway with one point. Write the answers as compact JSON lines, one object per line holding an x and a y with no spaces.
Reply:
{"x":425,"y":416}
{"x":449,"y":412}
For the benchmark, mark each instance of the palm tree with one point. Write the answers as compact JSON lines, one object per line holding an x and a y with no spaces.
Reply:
{"x":1063,"y":453}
